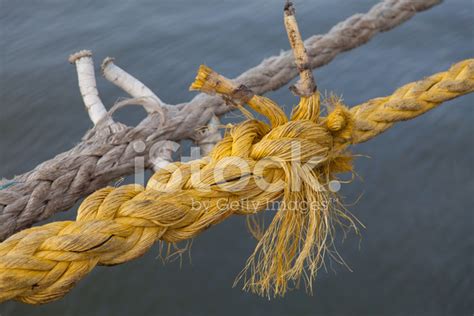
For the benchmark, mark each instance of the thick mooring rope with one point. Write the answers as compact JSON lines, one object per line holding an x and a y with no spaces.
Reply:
{"x":57,"y":184}
{"x":115,"y":225}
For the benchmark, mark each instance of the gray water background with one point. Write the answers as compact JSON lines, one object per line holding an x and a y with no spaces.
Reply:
{"x":415,"y":256}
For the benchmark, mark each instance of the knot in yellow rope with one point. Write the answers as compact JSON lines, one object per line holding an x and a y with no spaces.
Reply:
{"x":288,"y":160}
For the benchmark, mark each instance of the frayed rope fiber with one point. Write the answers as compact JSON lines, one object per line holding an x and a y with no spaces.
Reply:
{"x":115,"y":225}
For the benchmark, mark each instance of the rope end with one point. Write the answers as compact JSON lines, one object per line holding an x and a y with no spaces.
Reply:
{"x":306,"y":86}
{"x":289,"y":9}
{"x":108,"y":60}
{"x":210,"y":82}
{"x":78,"y":55}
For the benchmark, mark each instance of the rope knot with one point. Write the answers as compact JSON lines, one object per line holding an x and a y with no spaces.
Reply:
{"x":298,"y":158}
{"x":340,"y":121}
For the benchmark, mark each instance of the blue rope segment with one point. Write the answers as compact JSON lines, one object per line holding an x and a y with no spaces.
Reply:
{"x":7,"y":185}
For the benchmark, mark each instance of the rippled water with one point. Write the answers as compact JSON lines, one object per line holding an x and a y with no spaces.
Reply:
{"x":416,"y":254}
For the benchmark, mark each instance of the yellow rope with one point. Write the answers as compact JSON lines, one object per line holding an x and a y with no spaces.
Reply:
{"x":115,"y":225}
{"x":377,"y":115}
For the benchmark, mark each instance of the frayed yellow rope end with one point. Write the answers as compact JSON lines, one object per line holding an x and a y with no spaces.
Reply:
{"x":292,"y":248}
{"x":210,"y":82}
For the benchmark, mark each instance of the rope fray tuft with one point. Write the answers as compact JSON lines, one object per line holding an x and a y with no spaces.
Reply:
{"x":209,"y":81}
{"x":78,"y":55}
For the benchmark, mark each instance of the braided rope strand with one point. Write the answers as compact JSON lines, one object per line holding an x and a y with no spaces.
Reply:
{"x":411,"y":100}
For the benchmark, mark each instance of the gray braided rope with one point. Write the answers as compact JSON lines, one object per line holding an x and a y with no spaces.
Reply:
{"x":57,"y":184}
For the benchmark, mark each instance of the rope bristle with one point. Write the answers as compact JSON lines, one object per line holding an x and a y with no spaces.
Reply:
{"x":209,"y":81}
{"x":201,"y":77}
{"x":293,"y":247}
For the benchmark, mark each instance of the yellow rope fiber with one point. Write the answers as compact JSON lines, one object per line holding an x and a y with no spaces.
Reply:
{"x":115,"y":225}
